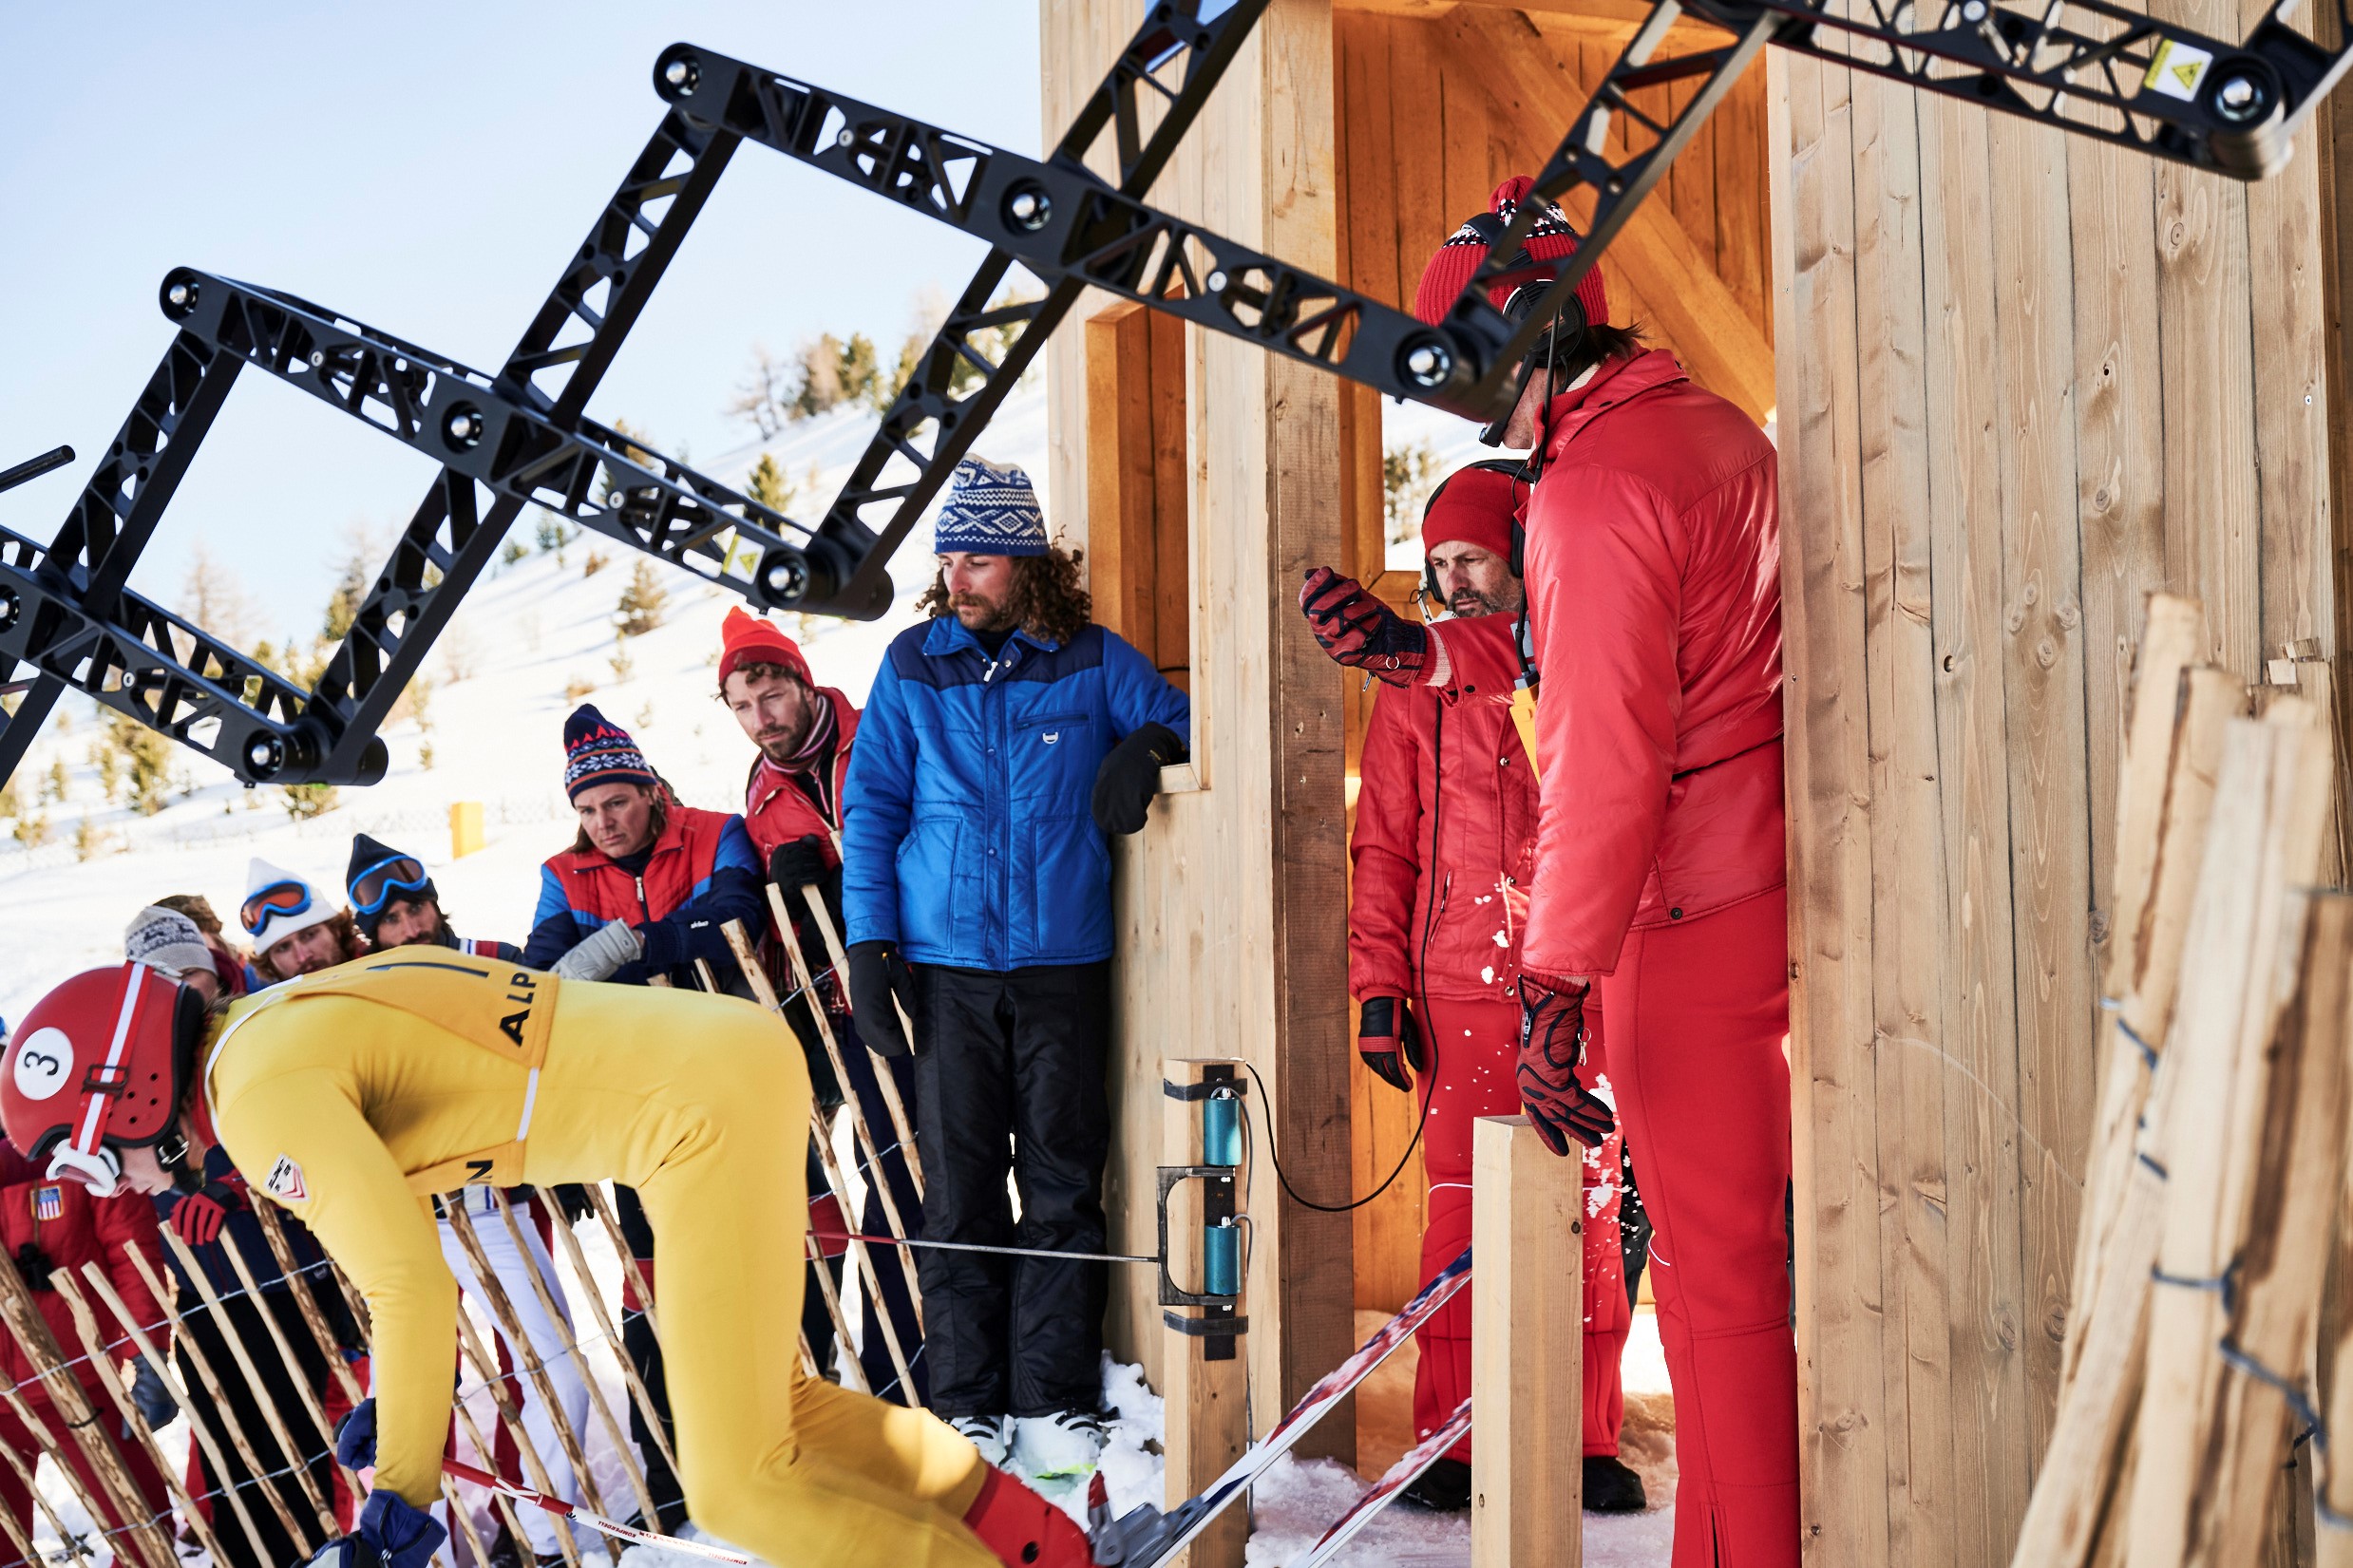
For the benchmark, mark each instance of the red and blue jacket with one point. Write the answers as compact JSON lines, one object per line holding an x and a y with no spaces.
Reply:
{"x":701,"y":874}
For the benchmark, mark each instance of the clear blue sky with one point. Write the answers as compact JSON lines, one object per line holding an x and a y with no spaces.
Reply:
{"x":428,"y":168}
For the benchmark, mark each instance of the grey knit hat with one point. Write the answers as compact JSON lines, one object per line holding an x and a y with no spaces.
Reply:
{"x":166,"y":941}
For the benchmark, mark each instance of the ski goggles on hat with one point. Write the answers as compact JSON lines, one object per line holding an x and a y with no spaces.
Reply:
{"x":377,"y":886}
{"x":277,"y":898}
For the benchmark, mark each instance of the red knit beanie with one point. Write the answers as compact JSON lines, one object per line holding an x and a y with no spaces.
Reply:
{"x":1551,"y":240}
{"x":1475,"y":506}
{"x":751,"y":639}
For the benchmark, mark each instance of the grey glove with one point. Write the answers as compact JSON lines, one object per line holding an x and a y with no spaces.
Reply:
{"x":603,"y":952}
{"x":154,"y":1400}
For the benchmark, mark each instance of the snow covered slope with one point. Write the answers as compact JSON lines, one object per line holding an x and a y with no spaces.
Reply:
{"x":523,"y":637}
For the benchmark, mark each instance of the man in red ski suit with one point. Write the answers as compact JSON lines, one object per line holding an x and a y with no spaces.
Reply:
{"x":792,"y":809}
{"x":1653,"y":580}
{"x":47,"y":1227}
{"x":1444,"y":849}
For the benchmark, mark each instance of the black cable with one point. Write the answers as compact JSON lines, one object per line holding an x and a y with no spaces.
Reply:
{"x":1430,"y":1040}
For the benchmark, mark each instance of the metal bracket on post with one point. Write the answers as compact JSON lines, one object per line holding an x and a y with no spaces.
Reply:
{"x":1218,"y":1090}
{"x":1205,"y":1377}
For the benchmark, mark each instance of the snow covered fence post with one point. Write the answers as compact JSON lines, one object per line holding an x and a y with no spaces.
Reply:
{"x":1526,"y":1350}
{"x":1206,"y":1375}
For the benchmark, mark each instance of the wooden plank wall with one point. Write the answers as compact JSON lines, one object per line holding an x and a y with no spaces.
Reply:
{"x":1230,"y":903}
{"x":2024,"y":380}
{"x":1435,"y":109}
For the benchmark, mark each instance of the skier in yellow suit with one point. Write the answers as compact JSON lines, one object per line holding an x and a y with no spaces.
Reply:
{"x":351,"y":1094}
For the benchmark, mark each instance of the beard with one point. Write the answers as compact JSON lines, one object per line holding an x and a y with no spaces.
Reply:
{"x":981,"y":614}
{"x":782,"y":745}
{"x":1469,"y":604}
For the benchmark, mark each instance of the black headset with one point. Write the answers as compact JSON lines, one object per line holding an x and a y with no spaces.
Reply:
{"x":1519,"y":474}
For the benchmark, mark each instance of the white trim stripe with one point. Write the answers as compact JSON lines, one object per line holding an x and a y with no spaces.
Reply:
{"x":530,"y":1099}
{"x":94,"y":1106}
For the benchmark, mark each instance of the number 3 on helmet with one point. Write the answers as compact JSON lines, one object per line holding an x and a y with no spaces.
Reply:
{"x":102,"y":1060}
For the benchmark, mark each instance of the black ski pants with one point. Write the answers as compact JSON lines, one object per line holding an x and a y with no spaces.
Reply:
{"x":1009,"y":1077}
{"x":208,"y":1329}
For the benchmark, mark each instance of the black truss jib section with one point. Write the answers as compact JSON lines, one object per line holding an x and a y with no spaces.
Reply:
{"x":63,"y":609}
{"x":469,"y":423}
{"x":1173,"y":61}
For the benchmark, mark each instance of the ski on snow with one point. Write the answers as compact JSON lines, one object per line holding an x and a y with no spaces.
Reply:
{"x":1406,"y":1471}
{"x":1145,"y":1536}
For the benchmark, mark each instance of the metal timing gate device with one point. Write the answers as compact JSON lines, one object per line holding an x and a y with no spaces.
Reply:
{"x":1211,"y":1314}
{"x":509,"y":437}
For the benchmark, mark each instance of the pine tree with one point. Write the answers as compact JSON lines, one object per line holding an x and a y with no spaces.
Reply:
{"x":109,"y":761}
{"x":821,"y":377}
{"x":769,"y":486}
{"x":644,"y":601}
{"x":553,"y":533}
{"x":146,"y":758}
{"x":352,"y":587}
{"x":1408,"y":474}
{"x":857,"y":371}
{"x":59,"y":784}
{"x":11,"y":804}
{"x":304,"y":802}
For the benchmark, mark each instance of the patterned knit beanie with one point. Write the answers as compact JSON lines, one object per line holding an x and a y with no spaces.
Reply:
{"x":1551,"y":240}
{"x":990,"y":511}
{"x":597,"y":751}
{"x":166,"y":941}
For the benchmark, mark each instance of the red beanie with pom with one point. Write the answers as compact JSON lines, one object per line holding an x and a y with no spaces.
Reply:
{"x":1551,"y":241}
{"x":1473,"y":506}
{"x":745,"y":638}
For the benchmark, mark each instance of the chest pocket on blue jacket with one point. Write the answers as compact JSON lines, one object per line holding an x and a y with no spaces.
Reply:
{"x":1053,"y":761}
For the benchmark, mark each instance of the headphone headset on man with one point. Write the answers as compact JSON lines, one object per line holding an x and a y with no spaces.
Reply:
{"x":1519,"y":474}
{"x":1560,"y":342}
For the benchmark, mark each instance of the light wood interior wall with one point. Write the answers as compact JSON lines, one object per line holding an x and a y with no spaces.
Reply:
{"x":1230,"y":903}
{"x":1437,"y":104}
{"x":2024,"y":380}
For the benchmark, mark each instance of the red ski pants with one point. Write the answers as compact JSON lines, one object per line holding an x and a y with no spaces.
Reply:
{"x":1475,"y":1045}
{"x":18,"y":1441}
{"x":1699,"y":1012}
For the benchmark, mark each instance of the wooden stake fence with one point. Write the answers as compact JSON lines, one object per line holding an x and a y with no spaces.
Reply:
{"x":840,"y":960}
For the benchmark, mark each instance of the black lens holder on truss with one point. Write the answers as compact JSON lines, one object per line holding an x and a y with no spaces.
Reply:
{"x":509,"y":438}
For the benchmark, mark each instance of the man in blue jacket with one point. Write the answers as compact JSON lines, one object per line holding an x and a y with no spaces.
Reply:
{"x":1001,"y":743}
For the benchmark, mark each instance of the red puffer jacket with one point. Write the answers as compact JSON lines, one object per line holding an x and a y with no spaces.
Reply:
{"x":1444,"y":845}
{"x":70,"y":1228}
{"x":777,"y":811}
{"x":1654,"y":586}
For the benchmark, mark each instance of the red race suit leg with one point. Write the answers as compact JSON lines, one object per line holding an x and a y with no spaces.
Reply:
{"x":1697,"y":1014}
{"x":1476,"y":1045}
{"x":145,"y":1481}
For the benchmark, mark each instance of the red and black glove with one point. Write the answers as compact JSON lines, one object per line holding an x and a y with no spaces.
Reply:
{"x":1387,"y":1035}
{"x":198,"y":1216}
{"x":1357,"y":628}
{"x":1552,"y":1043}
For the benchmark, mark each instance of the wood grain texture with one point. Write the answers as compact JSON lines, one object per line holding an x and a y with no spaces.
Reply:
{"x":1527,"y":1231}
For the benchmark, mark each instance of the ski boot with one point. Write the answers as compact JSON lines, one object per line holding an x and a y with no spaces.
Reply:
{"x":1023,"y":1529}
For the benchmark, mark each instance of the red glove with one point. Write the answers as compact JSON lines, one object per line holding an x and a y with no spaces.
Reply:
{"x":198,"y":1216}
{"x":1552,"y":1043}
{"x":1357,"y":628}
{"x":824,"y":1215}
{"x":1385,"y":1034}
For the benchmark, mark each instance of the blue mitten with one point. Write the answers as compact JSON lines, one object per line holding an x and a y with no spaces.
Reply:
{"x":355,"y":1437}
{"x":403,"y":1536}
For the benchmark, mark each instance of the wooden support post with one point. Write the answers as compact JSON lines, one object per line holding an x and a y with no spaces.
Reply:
{"x":303,"y":1287}
{"x":308,"y":1396}
{"x":889,"y":1085}
{"x":1207,"y":1378}
{"x":1526,"y":1350}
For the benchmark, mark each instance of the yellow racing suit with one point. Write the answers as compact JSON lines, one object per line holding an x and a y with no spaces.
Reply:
{"x":351,"y":1094}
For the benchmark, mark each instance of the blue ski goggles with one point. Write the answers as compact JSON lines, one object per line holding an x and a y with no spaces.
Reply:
{"x":388,"y":879}
{"x":277,"y":898}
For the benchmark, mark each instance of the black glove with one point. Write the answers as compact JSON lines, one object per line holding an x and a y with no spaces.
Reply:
{"x":1129,"y":776}
{"x":153,"y":1397}
{"x":1552,"y":1043}
{"x":34,"y":1265}
{"x":799,"y":862}
{"x":1357,"y":628}
{"x":572,"y":1201}
{"x":877,"y":977}
{"x":1385,"y":1034}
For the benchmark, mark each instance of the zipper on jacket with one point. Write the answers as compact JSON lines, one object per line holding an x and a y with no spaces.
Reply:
{"x":643,"y":910}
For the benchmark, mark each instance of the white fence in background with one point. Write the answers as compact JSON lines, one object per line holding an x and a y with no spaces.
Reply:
{"x":131,"y":836}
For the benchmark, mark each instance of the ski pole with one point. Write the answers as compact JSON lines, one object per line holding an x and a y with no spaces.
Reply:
{"x":613,"y":1528}
{"x":976,"y":1247}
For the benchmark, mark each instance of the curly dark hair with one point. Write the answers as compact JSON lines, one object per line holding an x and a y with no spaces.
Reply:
{"x":1047,"y":600}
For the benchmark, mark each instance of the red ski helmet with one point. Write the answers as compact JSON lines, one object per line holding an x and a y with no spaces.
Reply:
{"x":104,"y":1059}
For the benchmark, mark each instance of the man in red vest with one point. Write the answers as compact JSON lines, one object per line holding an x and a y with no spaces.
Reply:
{"x":1652,"y":566}
{"x":1445,"y":849}
{"x":792,"y":809}
{"x":646,"y":889}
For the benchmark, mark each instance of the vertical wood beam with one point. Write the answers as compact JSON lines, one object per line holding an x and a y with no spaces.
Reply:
{"x":1526,"y":1350}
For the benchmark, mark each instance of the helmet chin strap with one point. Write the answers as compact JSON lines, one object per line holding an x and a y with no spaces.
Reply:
{"x":99,"y":1172}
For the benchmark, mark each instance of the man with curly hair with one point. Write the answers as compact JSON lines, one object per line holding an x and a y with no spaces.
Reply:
{"x":1001,"y":744}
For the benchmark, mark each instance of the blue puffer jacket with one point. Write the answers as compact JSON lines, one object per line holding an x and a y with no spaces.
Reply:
{"x":967,"y":836}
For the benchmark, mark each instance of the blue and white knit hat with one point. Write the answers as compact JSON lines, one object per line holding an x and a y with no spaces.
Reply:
{"x":990,"y":511}
{"x":597,"y":751}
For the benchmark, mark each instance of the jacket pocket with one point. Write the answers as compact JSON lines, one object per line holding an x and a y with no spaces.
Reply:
{"x":930,"y":858}
{"x":1070,"y":913}
{"x":1052,"y":762}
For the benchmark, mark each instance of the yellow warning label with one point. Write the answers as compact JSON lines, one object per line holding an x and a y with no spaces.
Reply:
{"x":742,"y":557}
{"x":2176,"y":70}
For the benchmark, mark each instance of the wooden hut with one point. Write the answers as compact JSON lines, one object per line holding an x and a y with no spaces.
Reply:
{"x":2018,"y":380}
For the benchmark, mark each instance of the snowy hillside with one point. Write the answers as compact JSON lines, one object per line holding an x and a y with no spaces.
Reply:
{"x":527,"y":634}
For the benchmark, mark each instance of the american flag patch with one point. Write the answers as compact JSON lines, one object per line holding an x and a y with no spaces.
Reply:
{"x":48,"y":1204}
